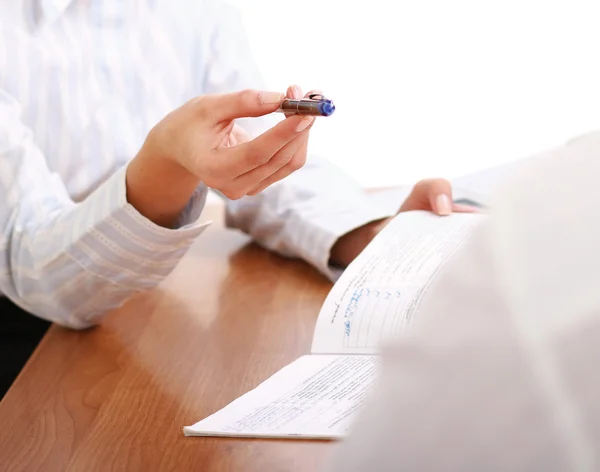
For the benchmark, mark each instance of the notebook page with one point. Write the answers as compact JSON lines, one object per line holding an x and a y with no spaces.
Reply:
{"x":315,"y":397}
{"x":379,"y":293}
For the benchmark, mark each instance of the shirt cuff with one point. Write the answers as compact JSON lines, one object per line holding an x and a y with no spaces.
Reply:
{"x":117,"y":243}
{"x":313,"y":233}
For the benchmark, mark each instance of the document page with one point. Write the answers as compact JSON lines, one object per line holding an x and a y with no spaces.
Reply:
{"x":315,"y":397}
{"x":380,"y":292}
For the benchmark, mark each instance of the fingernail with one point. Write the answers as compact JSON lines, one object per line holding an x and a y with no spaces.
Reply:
{"x":443,"y":205}
{"x":271,"y":97}
{"x":296,"y":91}
{"x":304,"y":123}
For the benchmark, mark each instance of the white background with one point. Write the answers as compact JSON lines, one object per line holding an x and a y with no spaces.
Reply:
{"x":429,"y":88}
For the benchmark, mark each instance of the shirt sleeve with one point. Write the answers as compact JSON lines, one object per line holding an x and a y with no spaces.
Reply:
{"x":305,"y":214}
{"x":71,"y":262}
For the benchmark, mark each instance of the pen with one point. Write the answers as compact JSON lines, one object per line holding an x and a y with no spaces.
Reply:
{"x":315,"y":105}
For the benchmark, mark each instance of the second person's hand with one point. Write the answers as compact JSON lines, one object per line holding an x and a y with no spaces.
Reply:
{"x":434,"y":195}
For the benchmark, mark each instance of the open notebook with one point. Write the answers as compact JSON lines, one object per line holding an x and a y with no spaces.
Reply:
{"x":377,"y":296}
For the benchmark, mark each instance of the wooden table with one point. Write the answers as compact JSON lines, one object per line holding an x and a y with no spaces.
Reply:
{"x":116,"y":397}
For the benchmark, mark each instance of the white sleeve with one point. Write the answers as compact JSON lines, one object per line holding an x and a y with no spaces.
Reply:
{"x":71,"y":262}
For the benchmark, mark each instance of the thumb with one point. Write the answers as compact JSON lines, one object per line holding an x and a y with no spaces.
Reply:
{"x":440,"y":196}
{"x":243,"y":104}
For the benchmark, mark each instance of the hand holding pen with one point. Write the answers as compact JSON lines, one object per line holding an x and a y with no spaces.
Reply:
{"x":311,"y":105}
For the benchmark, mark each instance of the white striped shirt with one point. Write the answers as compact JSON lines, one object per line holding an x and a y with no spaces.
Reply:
{"x":81,"y":84}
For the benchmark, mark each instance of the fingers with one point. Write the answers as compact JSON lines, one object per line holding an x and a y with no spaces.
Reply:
{"x":297,"y":162}
{"x":258,"y":179}
{"x":435,"y":195}
{"x":294,"y":92}
{"x":430,"y":195}
{"x":244,"y":104}
{"x":245,"y":157}
{"x":313,"y":92}
{"x":238,"y":135}
{"x":250,"y":167}
{"x":288,"y":160}
{"x":459,"y":208}
{"x":439,"y":195}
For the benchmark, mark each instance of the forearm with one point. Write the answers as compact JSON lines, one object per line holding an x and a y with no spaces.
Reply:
{"x":350,"y":245}
{"x":159,"y":188}
{"x":72,"y":263}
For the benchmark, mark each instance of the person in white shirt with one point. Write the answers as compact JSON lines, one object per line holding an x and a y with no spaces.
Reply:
{"x":83,"y":226}
{"x":499,"y":370}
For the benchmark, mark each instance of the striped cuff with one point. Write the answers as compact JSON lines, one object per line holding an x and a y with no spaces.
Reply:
{"x":115,"y":242}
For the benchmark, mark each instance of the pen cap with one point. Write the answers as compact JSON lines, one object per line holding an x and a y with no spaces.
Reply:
{"x":326,"y":107}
